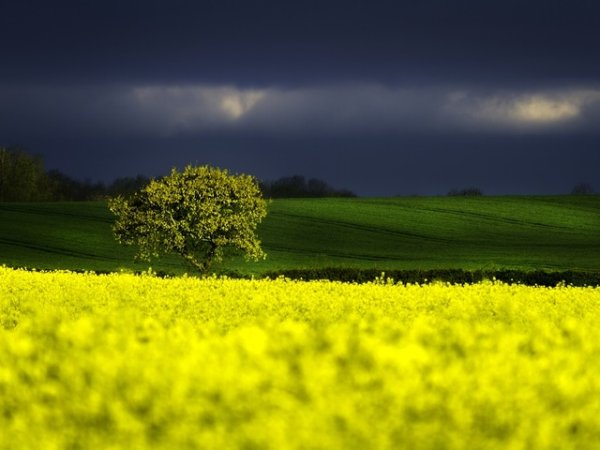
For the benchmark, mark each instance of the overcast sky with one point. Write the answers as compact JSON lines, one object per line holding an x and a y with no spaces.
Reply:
{"x":384,"y":98}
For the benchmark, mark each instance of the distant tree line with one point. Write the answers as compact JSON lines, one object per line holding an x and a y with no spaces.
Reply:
{"x":23,"y":178}
{"x":297,"y":186}
{"x":65,"y":188}
{"x":465,"y":192}
{"x":578,"y":189}
{"x":583,"y":189}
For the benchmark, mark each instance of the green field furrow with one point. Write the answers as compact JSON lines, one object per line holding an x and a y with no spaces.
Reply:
{"x":52,"y":249}
{"x":373,"y":228}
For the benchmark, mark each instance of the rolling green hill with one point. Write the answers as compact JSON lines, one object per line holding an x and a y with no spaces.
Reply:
{"x":528,"y":233}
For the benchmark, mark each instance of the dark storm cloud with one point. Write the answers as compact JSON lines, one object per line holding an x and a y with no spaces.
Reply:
{"x":286,"y":43}
{"x":384,"y":97}
{"x":172,"y":110}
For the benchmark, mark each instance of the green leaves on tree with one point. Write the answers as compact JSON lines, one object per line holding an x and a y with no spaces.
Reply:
{"x":197,"y":214}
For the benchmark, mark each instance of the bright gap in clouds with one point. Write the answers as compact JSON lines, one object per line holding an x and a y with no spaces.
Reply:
{"x":169,"y":110}
{"x":360,"y":108}
{"x":238,"y":103}
{"x":524,"y":110}
{"x":189,"y":108}
{"x":539,"y":109}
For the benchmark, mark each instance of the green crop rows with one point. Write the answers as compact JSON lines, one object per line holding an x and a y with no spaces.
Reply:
{"x":528,"y":233}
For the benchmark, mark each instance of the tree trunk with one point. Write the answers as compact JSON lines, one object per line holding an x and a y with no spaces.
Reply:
{"x":202,"y":266}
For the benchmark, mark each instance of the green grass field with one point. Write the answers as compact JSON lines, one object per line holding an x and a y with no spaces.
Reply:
{"x":527,"y":233}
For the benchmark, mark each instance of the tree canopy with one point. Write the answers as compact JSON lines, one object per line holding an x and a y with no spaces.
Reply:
{"x":22,"y":176}
{"x":196,"y":213}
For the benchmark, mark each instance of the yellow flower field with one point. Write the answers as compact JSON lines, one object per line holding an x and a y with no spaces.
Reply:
{"x":135,"y":362}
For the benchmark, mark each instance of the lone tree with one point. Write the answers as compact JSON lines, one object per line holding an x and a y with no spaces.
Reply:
{"x":197,"y":213}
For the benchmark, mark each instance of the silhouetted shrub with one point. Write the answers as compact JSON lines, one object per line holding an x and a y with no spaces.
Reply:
{"x":127,"y":186}
{"x":466,"y":192}
{"x":583,"y":189}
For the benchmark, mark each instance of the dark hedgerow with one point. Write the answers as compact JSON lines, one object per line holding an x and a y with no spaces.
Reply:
{"x":455,"y":276}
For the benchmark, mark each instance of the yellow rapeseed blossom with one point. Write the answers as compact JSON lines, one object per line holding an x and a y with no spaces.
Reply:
{"x":133,"y":362}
